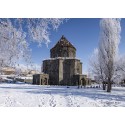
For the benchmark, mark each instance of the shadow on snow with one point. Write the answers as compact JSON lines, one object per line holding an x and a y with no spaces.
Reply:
{"x":93,"y":93}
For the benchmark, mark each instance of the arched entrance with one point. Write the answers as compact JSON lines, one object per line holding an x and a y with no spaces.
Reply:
{"x":45,"y":81}
{"x":83,"y":82}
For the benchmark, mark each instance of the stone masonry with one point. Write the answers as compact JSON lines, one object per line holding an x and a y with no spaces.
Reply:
{"x":63,"y":68}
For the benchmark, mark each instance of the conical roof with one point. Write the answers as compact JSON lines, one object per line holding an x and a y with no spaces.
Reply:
{"x":63,"y":42}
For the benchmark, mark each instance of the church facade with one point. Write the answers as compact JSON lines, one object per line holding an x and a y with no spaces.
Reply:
{"x":63,"y":68}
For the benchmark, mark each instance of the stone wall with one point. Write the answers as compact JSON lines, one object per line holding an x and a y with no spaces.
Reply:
{"x":51,"y":67}
{"x":40,"y":79}
{"x":80,"y":80}
{"x":62,"y":52}
{"x":61,"y":71}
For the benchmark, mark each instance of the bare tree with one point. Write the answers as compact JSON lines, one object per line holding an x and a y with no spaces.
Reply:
{"x":121,"y":68}
{"x":121,"y":64}
{"x":96,"y":68}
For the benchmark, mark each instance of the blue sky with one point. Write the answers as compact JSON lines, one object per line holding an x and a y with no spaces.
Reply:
{"x":83,"y":33}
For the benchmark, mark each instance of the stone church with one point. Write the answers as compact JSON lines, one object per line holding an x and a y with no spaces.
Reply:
{"x":63,"y":68}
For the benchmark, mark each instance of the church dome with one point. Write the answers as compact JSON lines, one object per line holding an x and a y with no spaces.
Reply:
{"x":63,"y":42}
{"x":63,"y":48}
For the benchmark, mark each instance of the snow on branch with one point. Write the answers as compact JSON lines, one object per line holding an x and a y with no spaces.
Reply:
{"x":105,"y":57}
{"x":15,"y":35}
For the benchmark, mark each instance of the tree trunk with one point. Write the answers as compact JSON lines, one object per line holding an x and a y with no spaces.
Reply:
{"x":104,"y":86}
{"x":109,"y":86}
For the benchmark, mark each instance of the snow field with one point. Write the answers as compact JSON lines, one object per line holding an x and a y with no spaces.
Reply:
{"x":26,"y":95}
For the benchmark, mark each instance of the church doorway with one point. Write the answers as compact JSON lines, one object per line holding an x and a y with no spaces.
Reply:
{"x":41,"y":81}
{"x":45,"y":81}
{"x":83,"y":81}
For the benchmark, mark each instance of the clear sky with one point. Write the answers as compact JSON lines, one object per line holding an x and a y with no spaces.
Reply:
{"x":83,"y":33}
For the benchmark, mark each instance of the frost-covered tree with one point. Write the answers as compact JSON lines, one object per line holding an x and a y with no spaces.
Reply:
{"x":121,"y":67}
{"x":16,"y":34}
{"x":96,"y":68}
{"x":39,"y":28}
{"x":13,"y":44}
{"x":104,"y":59}
{"x":121,"y":64}
{"x":108,"y":47}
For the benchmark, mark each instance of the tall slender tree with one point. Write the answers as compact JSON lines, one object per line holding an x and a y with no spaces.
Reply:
{"x":104,"y":59}
{"x":108,"y":47}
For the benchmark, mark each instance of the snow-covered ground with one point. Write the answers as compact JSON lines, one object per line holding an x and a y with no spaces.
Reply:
{"x":15,"y":76}
{"x":26,"y":95}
